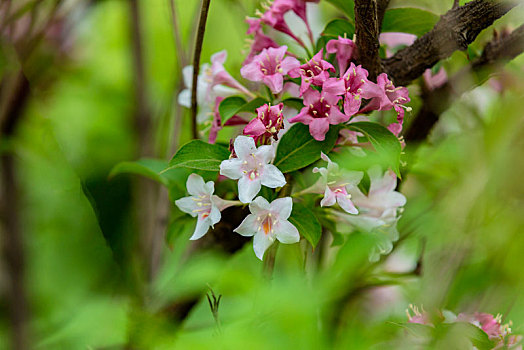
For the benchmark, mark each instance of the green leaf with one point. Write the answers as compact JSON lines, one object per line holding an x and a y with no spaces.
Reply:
{"x":339,"y":27}
{"x":386,"y":144}
{"x":416,"y":329}
{"x":230,"y":106}
{"x":306,"y":223}
{"x":298,"y":149}
{"x":147,"y":167}
{"x":477,"y":336}
{"x":198,"y":154}
{"x":236,"y":104}
{"x":409,"y":20}
{"x":346,"y":6}
{"x":293,"y":102}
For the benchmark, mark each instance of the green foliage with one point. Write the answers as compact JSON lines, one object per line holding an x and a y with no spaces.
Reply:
{"x":409,"y":20}
{"x":236,"y":104}
{"x":346,"y":6}
{"x":306,"y":223}
{"x":200,"y":155}
{"x":298,"y":149}
{"x":147,"y":167}
{"x":294,"y":102}
{"x":334,"y":29}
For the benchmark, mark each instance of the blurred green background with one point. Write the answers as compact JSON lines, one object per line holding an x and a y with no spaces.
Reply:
{"x":84,"y":276}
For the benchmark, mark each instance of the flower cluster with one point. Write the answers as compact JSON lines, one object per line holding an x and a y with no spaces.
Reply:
{"x":327,"y":88}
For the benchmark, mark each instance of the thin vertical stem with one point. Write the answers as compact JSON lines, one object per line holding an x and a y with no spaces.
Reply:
{"x":196,"y":64}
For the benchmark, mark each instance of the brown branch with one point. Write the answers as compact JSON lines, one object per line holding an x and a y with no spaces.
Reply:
{"x":366,"y":31}
{"x":454,"y":31}
{"x":196,"y":64}
{"x":437,"y":101}
{"x":382,"y":6}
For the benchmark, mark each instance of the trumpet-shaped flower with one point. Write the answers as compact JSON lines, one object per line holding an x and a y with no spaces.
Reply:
{"x":385,"y":96}
{"x":267,"y":124}
{"x":343,"y":48}
{"x":202,"y":204}
{"x":315,"y":71}
{"x":251,"y":168}
{"x":320,"y":111}
{"x":270,"y":66}
{"x":336,"y":185}
{"x":267,"y":222}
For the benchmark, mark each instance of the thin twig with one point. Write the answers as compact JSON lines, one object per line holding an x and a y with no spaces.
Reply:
{"x":196,"y":64}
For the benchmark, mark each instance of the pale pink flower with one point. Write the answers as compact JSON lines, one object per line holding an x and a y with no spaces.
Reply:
{"x":267,"y":222}
{"x":259,"y":43}
{"x":315,"y":71}
{"x":343,"y":48}
{"x":385,"y":96}
{"x":270,"y":66}
{"x":251,"y":168}
{"x":336,"y":185}
{"x":219,"y":75}
{"x":321,"y":110}
{"x":267,"y":124}
{"x":203,"y":204}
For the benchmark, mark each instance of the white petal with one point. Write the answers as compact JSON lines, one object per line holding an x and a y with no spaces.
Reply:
{"x":184,"y":98}
{"x":201,"y":228}
{"x":260,"y":244}
{"x":259,"y":205}
{"x":187,"y":205}
{"x":248,"y":227}
{"x":282,"y":207}
{"x":214,"y":215}
{"x":272,"y":177}
{"x":231,"y":168}
{"x":210,"y":187}
{"x":244,"y":146}
{"x":287,"y":233}
{"x":346,"y":204}
{"x":222,"y":204}
{"x":248,"y":189}
{"x":187,"y":74}
{"x":329,"y":198}
{"x":196,"y":186}
{"x":265,"y":153}
{"x":353,"y":177}
{"x":394,"y":199}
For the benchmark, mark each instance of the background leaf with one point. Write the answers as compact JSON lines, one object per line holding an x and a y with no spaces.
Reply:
{"x":346,"y":6}
{"x":236,"y":104}
{"x":339,"y":27}
{"x":409,"y":20}
{"x":297,"y":148}
{"x":147,"y":167}
{"x":306,"y":223}
{"x":201,"y":155}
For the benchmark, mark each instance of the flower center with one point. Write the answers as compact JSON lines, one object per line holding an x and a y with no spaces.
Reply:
{"x":252,"y":167}
{"x":267,"y":223}
{"x":311,"y":69}
{"x":203,"y":203}
{"x":270,"y":65}
{"x":320,"y":109}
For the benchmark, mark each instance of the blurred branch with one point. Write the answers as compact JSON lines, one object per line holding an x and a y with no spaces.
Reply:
{"x":176,"y":34}
{"x":196,"y":64}
{"x":12,"y":107}
{"x":497,"y":51}
{"x":366,"y":31}
{"x":454,"y":31}
{"x":382,"y":6}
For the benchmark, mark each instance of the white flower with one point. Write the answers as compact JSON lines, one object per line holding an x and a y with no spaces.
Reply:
{"x":251,"y":168}
{"x":336,"y":185}
{"x":212,"y":82}
{"x":267,"y":222}
{"x":202,"y":203}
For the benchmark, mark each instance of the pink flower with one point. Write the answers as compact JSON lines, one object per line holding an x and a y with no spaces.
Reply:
{"x":220,"y":76}
{"x":313,"y":72}
{"x":267,"y":124}
{"x":270,"y":66}
{"x":343,"y":48}
{"x":434,"y":81}
{"x":350,"y":85}
{"x":320,"y":111}
{"x":259,"y":43}
{"x":385,"y":96}
{"x":216,"y":123}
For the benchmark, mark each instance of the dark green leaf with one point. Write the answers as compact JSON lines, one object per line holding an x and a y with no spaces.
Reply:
{"x":339,"y":27}
{"x":149,"y":168}
{"x":346,"y":6}
{"x":386,"y":144}
{"x":409,"y":20}
{"x":294,"y":102}
{"x":306,"y":223}
{"x":201,"y":155}
{"x":236,"y":104}
{"x":230,"y":106}
{"x":298,"y":149}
